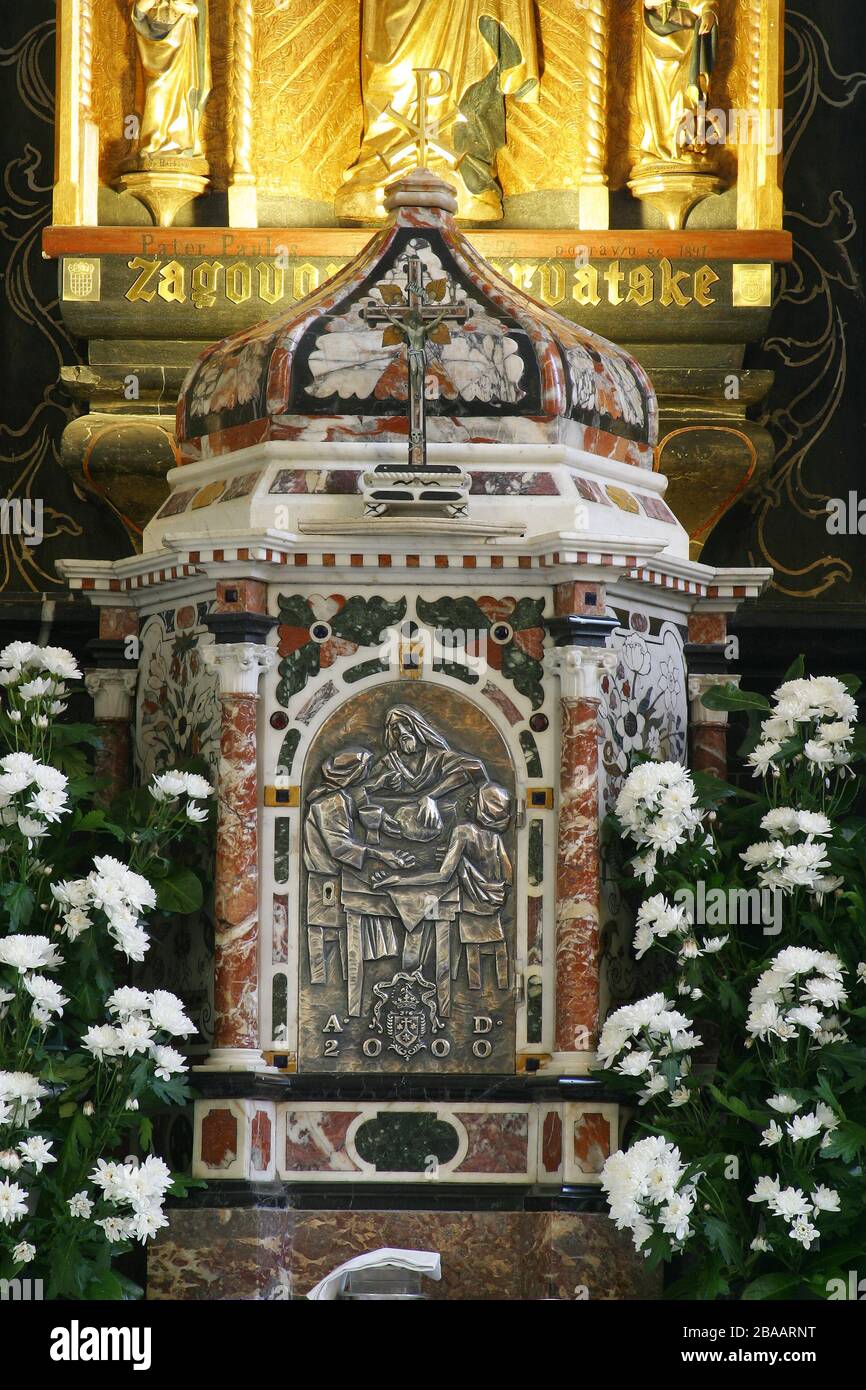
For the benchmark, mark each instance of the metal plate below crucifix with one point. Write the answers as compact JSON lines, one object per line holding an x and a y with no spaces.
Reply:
{"x":407,"y":953}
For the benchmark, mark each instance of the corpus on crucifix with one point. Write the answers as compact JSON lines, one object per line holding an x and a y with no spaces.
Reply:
{"x":420,"y":315}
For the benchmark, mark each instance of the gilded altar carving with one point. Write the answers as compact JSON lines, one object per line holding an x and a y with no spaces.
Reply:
{"x":487,"y":49}
{"x":297,"y":88}
{"x":407,"y":920}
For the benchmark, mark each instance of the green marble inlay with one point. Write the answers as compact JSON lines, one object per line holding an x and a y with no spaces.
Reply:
{"x":280,"y":1009}
{"x":363,"y":621}
{"x":288,"y":749}
{"x":534,"y":1001}
{"x":536,"y":853}
{"x":365,"y":668}
{"x":282,"y":841}
{"x":458,"y":672}
{"x":531,"y":754}
{"x":465,"y":615}
{"x":406,"y":1143}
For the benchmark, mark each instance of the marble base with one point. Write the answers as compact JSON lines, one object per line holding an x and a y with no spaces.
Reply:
{"x":222,"y":1253}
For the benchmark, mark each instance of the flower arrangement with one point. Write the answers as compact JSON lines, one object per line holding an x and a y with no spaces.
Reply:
{"x":747,"y":1068}
{"x":84,"y":1061}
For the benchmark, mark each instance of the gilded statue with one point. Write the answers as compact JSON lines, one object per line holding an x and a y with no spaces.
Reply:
{"x":678,"y":54}
{"x":487,"y":48}
{"x":175,"y":63}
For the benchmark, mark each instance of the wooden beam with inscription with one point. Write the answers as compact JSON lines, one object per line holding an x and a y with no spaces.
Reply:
{"x":348,"y":241}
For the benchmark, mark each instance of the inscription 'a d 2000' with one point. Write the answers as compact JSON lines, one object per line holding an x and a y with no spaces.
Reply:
{"x":407,"y":904}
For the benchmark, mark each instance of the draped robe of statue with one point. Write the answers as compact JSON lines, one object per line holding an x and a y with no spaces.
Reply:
{"x":489,"y":49}
{"x":175,"y":64}
{"x":673,"y":72}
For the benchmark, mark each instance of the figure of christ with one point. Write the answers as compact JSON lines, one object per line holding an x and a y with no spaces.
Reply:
{"x":476,"y":859}
{"x":334,"y":841}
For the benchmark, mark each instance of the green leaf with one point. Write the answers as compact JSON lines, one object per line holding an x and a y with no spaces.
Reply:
{"x":178,"y":891}
{"x":105,"y":1285}
{"x":145,"y":1132}
{"x":720,"y":1237}
{"x":737,"y":1107}
{"x":770,"y":1286}
{"x":20,"y":901}
{"x":730,"y":697}
{"x":796,"y":669}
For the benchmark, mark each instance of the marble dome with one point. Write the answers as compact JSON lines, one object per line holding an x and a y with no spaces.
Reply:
{"x":510,"y":371}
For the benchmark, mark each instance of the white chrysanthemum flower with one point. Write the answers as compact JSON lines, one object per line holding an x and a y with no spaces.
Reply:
{"x":825,"y":1199}
{"x":37,"y":1151}
{"x":197,"y":787}
{"x":115,"y":1227}
{"x":80,"y":1205}
{"x":103,"y":1041}
{"x":23,"y":1253}
{"x":784,"y":1104}
{"x":26,"y":953}
{"x":134,"y":1035}
{"x":762,"y":758}
{"x":804,"y":1127}
{"x":128,"y":1000}
{"x":195,"y":813}
{"x":10,"y":1161}
{"x":773,"y":1134}
{"x":761,"y":1244}
{"x":46,"y":993}
{"x":167,"y":1014}
{"x":50,"y":805}
{"x":804,"y":1232}
{"x":169,"y":1062}
{"x":781,"y":819}
{"x":36,"y":689}
{"x":13,"y":1202}
{"x":766,"y":1188}
{"x":167,"y":786}
{"x":789,"y":1203}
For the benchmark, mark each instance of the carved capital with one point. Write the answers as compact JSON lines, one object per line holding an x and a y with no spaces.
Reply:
{"x":580,"y":670}
{"x":239,"y":665}
{"x":111,"y":690}
{"x":698,"y":686}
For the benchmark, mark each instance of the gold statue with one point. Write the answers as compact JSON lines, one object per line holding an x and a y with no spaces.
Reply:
{"x":679,"y":43}
{"x":168,"y":168}
{"x":175,"y":61}
{"x":487,"y":47}
{"x":678,"y":54}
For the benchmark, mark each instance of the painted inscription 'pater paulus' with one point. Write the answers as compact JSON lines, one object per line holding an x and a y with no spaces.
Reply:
{"x":407,"y":959}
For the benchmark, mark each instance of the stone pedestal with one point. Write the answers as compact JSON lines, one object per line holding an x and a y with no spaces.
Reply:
{"x":273,"y":1253}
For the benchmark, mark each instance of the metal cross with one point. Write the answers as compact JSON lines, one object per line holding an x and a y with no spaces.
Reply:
{"x":416,"y":317}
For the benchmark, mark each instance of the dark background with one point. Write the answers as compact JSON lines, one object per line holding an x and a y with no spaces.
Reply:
{"x":816,"y":345}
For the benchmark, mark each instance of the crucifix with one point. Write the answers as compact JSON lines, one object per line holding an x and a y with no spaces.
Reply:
{"x":416,"y":317}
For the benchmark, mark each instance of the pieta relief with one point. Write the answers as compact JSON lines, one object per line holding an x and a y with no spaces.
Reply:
{"x":407,"y":910}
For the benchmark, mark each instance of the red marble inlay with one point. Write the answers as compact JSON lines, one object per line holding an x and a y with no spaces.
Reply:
{"x":710,"y":749}
{"x":551,"y":1142}
{"x":111,"y":762}
{"x":591,"y":1141}
{"x":498,"y":1142}
{"x":116,"y":623}
{"x":219,"y":1139}
{"x":572,"y":597}
{"x":260,"y":1141}
{"x":707,"y":628}
{"x":316,"y":1140}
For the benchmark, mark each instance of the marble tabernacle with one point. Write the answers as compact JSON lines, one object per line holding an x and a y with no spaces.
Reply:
{"x":415,"y":597}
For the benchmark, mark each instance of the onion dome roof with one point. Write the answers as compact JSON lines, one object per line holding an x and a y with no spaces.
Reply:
{"x":502,"y":369}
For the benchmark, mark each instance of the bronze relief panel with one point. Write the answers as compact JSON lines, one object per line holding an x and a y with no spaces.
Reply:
{"x":407,"y":900}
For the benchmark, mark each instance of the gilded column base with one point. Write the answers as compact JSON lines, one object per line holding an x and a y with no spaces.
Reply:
{"x":121,"y":461}
{"x":673,"y":189}
{"x":165,"y":184}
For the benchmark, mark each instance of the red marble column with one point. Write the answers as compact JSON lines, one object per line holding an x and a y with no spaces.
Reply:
{"x":708,"y":729}
{"x":578,"y":866}
{"x":236,"y":883}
